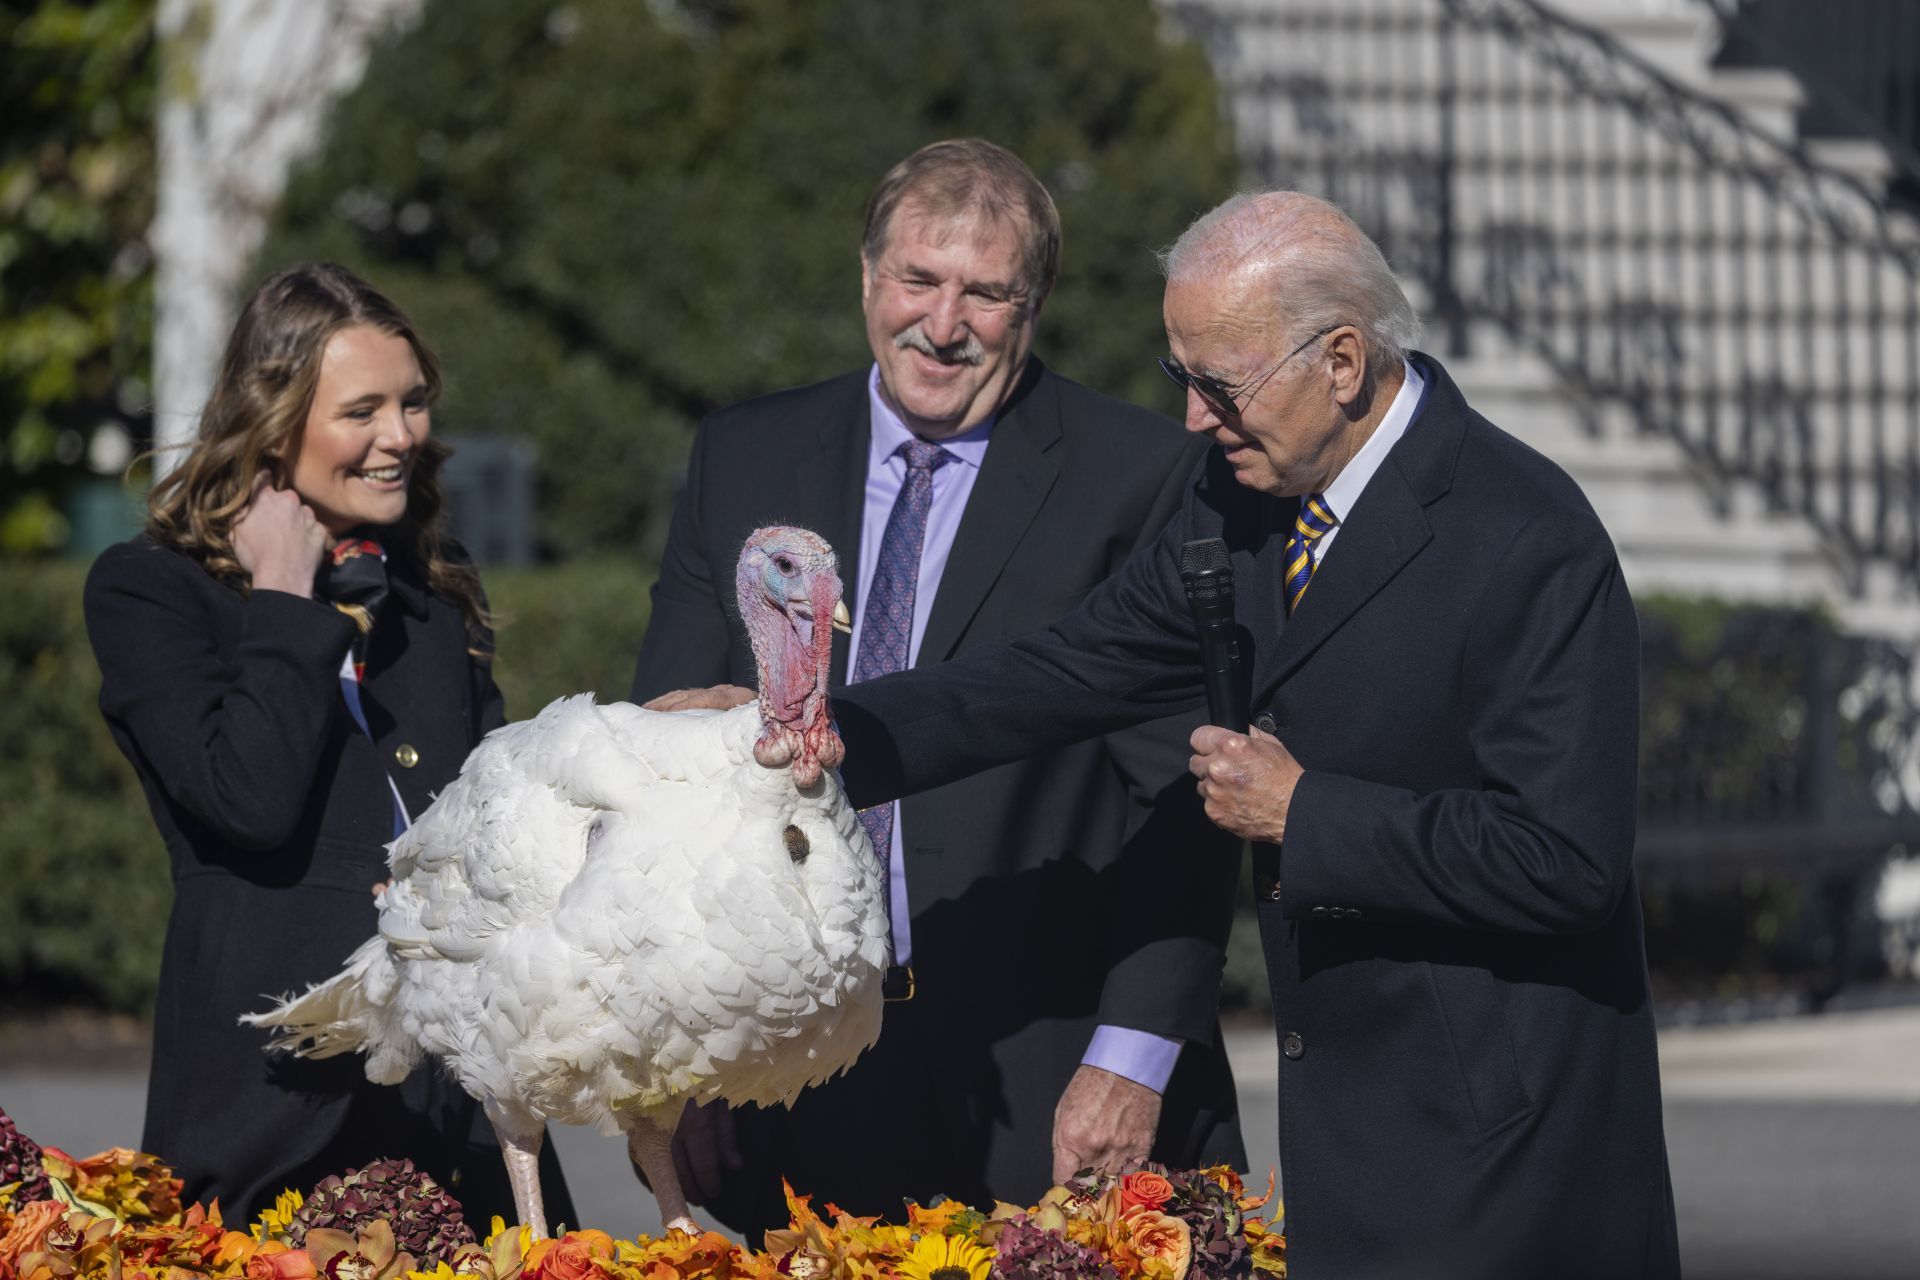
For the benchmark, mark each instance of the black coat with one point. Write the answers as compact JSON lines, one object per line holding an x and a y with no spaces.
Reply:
{"x":1048,"y":896}
{"x":1468,"y":1083}
{"x":275,"y":811}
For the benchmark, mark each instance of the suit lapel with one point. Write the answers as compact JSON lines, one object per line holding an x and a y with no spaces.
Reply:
{"x":1387,"y":526}
{"x":1014,"y":481}
{"x":828,"y":486}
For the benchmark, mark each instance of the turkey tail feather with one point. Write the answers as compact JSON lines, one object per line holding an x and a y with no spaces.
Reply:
{"x":348,"y":1013}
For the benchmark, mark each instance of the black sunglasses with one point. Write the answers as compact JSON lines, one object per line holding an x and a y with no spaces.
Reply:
{"x":1225,"y":401}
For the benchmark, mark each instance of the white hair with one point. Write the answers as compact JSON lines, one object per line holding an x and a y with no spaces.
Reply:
{"x":1321,"y":271}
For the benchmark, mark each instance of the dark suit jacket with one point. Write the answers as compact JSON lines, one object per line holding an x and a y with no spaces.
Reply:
{"x":275,"y":812}
{"x":1047,"y":896}
{"x":1468,"y":1085}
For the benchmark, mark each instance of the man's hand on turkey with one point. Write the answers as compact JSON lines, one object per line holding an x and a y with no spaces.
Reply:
{"x":721,"y":697}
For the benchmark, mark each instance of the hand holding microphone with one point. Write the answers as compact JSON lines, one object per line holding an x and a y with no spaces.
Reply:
{"x":1208,"y":574}
{"x":1246,"y":777}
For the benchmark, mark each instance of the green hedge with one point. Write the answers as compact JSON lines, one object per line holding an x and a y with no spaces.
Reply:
{"x":85,"y":893}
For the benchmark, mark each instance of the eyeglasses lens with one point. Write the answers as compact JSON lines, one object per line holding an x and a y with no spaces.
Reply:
{"x":1210,"y":390}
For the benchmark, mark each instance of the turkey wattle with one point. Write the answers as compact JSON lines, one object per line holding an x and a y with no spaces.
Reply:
{"x":614,"y":911}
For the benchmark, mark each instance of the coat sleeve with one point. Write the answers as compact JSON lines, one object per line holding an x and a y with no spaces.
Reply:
{"x":1173,"y":882}
{"x":1550,"y":694}
{"x":1123,"y":657}
{"x":235,"y":742}
{"x":685,"y":646}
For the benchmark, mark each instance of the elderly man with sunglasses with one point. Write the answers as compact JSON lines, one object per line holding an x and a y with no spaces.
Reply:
{"x":1439,"y":781}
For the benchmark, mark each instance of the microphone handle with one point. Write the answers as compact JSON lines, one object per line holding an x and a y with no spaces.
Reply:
{"x":1219,"y":670}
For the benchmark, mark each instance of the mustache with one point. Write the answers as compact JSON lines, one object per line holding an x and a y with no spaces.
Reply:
{"x":968,"y":352}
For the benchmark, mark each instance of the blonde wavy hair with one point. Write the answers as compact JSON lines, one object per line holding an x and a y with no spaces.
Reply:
{"x":258,"y":411}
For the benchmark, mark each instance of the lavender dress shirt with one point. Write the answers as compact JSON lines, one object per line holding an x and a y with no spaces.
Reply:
{"x":1140,"y":1056}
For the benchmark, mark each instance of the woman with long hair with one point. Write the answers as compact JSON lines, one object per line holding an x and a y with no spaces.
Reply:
{"x":295,"y":657}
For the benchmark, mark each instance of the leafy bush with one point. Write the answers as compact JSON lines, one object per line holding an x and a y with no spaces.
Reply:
{"x":76,"y":196}
{"x":86,"y":889}
{"x":571,"y":628}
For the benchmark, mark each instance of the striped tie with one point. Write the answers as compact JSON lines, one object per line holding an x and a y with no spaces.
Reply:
{"x":1309,"y":526}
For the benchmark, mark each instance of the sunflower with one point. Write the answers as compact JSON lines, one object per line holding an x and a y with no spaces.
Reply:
{"x":938,"y":1257}
{"x":277,"y":1222}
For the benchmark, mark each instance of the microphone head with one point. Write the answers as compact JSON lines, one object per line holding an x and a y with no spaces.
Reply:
{"x":1204,"y":557}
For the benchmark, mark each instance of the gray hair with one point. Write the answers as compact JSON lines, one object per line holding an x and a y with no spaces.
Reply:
{"x":1321,"y":270}
{"x":972,"y":177}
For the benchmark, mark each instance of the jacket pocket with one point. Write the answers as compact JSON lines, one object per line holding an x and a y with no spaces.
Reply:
{"x":1473,"y":1005}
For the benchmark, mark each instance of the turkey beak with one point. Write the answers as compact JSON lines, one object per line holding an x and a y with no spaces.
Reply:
{"x":842,"y":620}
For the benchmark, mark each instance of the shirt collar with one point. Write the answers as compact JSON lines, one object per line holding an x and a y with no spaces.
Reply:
{"x":889,"y":433}
{"x":1347,"y":486}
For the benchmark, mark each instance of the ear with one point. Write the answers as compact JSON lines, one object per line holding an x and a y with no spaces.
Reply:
{"x":866,"y":282}
{"x":1347,"y":356}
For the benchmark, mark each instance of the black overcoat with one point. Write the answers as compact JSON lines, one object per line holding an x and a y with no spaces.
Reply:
{"x":275,"y":812}
{"x":1468,"y":1083}
{"x":1047,"y":896}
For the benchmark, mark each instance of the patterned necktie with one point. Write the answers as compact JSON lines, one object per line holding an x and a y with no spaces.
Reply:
{"x":886,"y":627}
{"x":1315,"y":518}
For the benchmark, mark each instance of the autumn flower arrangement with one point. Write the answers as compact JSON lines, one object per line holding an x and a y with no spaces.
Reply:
{"x":118,"y":1216}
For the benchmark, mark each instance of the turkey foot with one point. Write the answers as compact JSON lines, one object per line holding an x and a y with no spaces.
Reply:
{"x":520,"y":1137}
{"x":651,"y":1146}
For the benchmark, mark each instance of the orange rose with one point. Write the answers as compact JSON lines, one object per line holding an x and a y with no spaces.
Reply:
{"x":29,"y":1229}
{"x":1163,"y":1236}
{"x":1144,"y":1189}
{"x":275,"y":1261}
{"x":570,"y":1258}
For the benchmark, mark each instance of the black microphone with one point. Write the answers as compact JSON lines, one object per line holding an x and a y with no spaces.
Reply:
{"x":1208,"y":575}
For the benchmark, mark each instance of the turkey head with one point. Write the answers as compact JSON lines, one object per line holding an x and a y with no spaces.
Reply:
{"x":788,"y":583}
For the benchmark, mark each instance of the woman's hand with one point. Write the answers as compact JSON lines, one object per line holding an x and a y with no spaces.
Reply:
{"x":278,"y":541}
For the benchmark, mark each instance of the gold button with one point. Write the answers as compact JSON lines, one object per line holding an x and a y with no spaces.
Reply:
{"x":406,"y":755}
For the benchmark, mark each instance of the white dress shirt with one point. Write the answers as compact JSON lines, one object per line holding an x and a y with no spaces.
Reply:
{"x":1346,"y":487}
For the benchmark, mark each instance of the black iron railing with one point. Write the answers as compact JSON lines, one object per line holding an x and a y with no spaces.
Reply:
{"x":1769,"y":741}
{"x":1669,"y":258}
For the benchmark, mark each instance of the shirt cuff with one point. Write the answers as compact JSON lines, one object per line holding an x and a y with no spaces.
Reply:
{"x":1140,"y":1056}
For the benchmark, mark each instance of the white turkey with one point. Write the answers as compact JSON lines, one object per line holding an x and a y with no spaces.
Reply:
{"x":613,"y":911}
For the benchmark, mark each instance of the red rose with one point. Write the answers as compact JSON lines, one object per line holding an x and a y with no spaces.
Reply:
{"x":1144,"y":1189}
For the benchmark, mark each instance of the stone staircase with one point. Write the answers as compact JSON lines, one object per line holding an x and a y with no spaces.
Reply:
{"x":1626,"y":258}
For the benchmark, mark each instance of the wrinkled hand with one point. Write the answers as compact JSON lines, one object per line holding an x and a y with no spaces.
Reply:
{"x":721,"y":697}
{"x":278,"y":541}
{"x":703,"y":1145}
{"x":1247,"y":781}
{"x":1104,"y":1121}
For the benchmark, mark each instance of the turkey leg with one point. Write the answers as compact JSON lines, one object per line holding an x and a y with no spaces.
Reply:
{"x":651,"y":1146}
{"x":520,"y":1136}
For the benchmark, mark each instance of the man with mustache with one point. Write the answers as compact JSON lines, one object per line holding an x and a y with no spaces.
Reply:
{"x":1058,"y":924}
